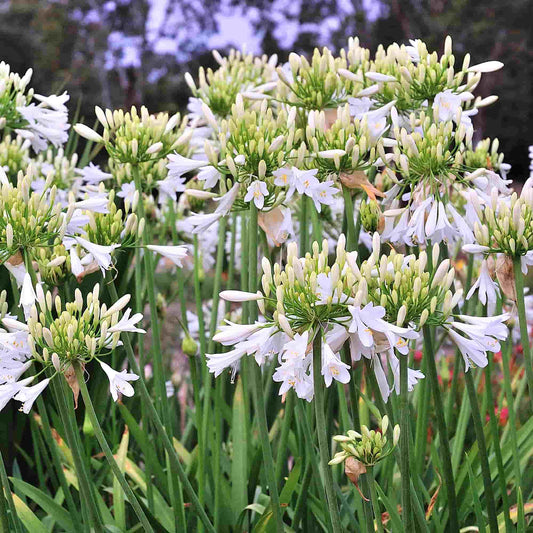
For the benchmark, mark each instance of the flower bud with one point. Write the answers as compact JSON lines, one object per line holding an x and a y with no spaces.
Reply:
{"x":189,"y":346}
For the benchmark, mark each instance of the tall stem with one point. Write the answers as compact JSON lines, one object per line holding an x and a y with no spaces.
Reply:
{"x":483,"y":456}
{"x":154,"y":416}
{"x":321,"y":430}
{"x":196,"y":379}
{"x":159,"y":374}
{"x":374,"y":498}
{"x":107,"y":450}
{"x":443,"y":432}
{"x":285,"y":429}
{"x":4,"y":521}
{"x":259,"y":399}
{"x":159,"y":377}
{"x":69,"y":424}
{"x":506,"y":352}
{"x":522,"y":318}
{"x":404,"y":446}
{"x":351,"y":243}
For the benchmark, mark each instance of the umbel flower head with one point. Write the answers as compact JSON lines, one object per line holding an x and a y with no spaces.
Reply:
{"x":14,"y":156}
{"x":504,"y":226}
{"x":137,"y":136}
{"x":253,"y":145}
{"x":486,"y":155}
{"x":368,"y":447}
{"x":347,"y":145}
{"x":305,"y":298}
{"x":315,"y":84}
{"x":61,"y":333}
{"x":57,"y":336}
{"x":42,"y":123}
{"x":429,"y":174}
{"x":28,"y":219}
{"x":237,"y":73}
{"x":53,"y":263}
{"x":411,"y":75}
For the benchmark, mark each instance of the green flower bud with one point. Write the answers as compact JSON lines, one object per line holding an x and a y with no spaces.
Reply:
{"x":189,"y":346}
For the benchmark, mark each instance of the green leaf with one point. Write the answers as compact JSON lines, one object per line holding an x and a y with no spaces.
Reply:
{"x":477,"y":504}
{"x":28,"y":518}
{"x":239,"y":470}
{"x":119,"y":504}
{"x":162,"y":512}
{"x":521,"y":522}
{"x":266,"y":524}
{"x":60,"y":515}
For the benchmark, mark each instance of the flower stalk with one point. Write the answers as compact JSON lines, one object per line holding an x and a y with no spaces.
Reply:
{"x":107,"y":450}
{"x":522,"y":319}
{"x":321,"y":429}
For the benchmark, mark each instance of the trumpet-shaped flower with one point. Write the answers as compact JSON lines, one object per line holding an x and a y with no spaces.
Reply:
{"x":179,"y":165}
{"x":333,"y":367}
{"x":127,"y":323}
{"x":175,"y":253}
{"x":100,"y":253}
{"x":488,"y":290}
{"x":257,"y":190}
{"x":28,"y":395}
{"x":119,"y":381}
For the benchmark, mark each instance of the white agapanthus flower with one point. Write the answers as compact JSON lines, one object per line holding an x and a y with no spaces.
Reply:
{"x":119,"y":381}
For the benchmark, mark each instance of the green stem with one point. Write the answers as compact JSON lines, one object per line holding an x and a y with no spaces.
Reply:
{"x":69,"y":425}
{"x":317,"y":226}
{"x":52,"y":445}
{"x":304,"y":232}
{"x":351,"y":243}
{"x":259,"y":398}
{"x":483,"y":456}
{"x":522,"y":318}
{"x":368,"y":509}
{"x":506,"y":352}
{"x":374,"y":498}
{"x":322,"y":433}
{"x":207,"y":375}
{"x":496,"y":443}
{"x":154,"y":416}
{"x":405,"y":429}
{"x":449,"y":482}
{"x":285,"y":429}
{"x":4,"y":521}
{"x":159,"y":377}
{"x":200,"y":413}
{"x":423,"y":392}
{"x":107,"y":450}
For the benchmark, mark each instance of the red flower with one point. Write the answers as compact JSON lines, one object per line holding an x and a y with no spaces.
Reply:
{"x":504,"y":416}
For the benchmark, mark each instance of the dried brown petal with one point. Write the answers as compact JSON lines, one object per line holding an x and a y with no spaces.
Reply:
{"x":505,"y":275}
{"x":353,"y":470}
{"x":358,"y":180}
{"x":72,"y":380}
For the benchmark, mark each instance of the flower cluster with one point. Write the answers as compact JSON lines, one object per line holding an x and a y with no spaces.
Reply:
{"x":27,"y":219}
{"x":57,"y":336}
{"x":368,"y":447}
{"x":136,"y":137}
{"x":238,"y":73}
{"x":42,"y":123}
{"x":313,"y":85}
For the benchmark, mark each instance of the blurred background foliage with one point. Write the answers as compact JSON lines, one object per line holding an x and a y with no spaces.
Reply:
{"x":119,"y":53}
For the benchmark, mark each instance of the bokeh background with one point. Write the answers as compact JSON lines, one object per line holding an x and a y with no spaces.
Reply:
{"x":118,"y":53}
